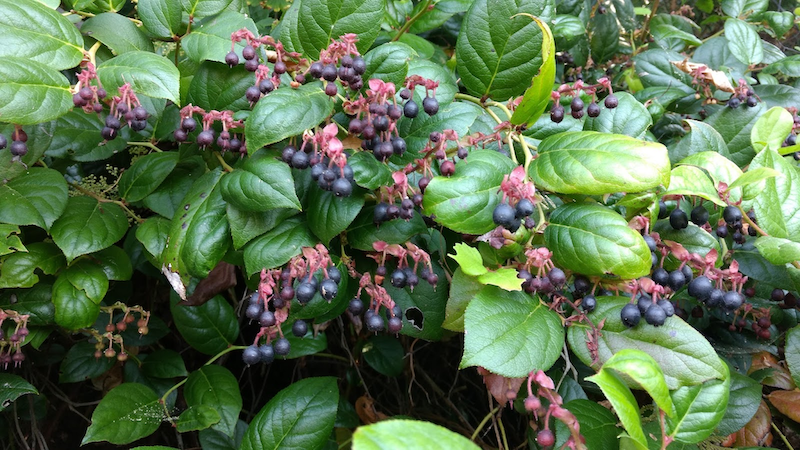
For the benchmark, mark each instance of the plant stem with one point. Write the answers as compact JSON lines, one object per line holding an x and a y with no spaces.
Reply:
{"x":411,"y":20}
{"x":102,"y":199}
{"x":483,"y":422}
{"x":751,"y":223}
{"x":146,"y":144}
{"x":224,"y":352}
{"x":783,"y":438}
{"x":222,"y":162}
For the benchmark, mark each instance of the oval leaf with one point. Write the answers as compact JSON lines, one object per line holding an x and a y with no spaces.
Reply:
{"x":286,"y":112}
{"x":300,"y":416}
{"x":320,"y":21}
{"x":684,"y":355}
{"x":498,"y":327}
{"x":209,"y":328}
{"x":394,"y":434}
{"x":38,"y":197}
{"x":88,"y":226}
{"x":14,"y":387}
{"x":588,"y":162}
{"x":216,"y":387}
{"x":329,"y":215}
{"x":260,"y":185}
{"x":777,"y":201}
{"x":640,"y":367}
{"x":743,"y":41}
{"x":34,"y":32}
{"x":212,"y":39}
{"x":630,"y":118}
{"x":77,"y":293}
{"x":117,"y":32}
{"x":771,"y":129}
{"x":278,"y":245}
{"x":149,"y":74}
{"x":32,"y":92}
{"x":146,"y":174}
{"x":161,"y":18}
{"x":127,"y":413}
{"x":596,"y":241}
{"x":465,"y":201}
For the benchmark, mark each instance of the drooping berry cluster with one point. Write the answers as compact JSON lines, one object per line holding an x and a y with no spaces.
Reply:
{"x":577,"y":105}
{"x":553,"y":407}
{"x":539,"y":274}
{"x":744,"y":95}
{"x":107,"y":343}
{"x":341,"y":61}
{"x":11,"y":344}
{"x":522,"y":195}
{"x":324,"y":153}
{"x":271,"y":303}
{"x":87,"y":95}
{"x":398,"y":200}
{"x":227,"y":140}
{"x":125,"y":109}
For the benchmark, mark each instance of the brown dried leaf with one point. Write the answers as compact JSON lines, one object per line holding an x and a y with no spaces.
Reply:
{"x":498,"y":385}
{"x":780,"y":377}
{"x":703,"y":72}
{"x":787,"y":402}
{"x":757,"y":432}
{"x":365,"y":408}
{"x":221,"y":278}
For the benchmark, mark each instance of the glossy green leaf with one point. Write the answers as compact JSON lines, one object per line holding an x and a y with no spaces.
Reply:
{"x":167,"y":198}
{"x":209,"y":328}
{"x":164,"y":363}
{"x":394,"y":434}
{"x":743,"y":400}
{"x":299,"y":416}
{"x":735,"y":8}
{"x":31,"y":92}
{"x":203,"y":8}
{"x":308,"y":344}
{"x":278,"y":245}
{"x":630,"y":118}
{"x":463,"y":289}
{"x":384,"y":354}
{"x":698,"y":410}
{"x":598,"y":424}
{"x":771,"y":129}
{"x":368,"y":172}
{"x":754,"y":176}
{"x":146,"y":174}
{"x":34,"y":32}
{"x":161,"y":18}
{"x":594,"y":240}
{"x":148,"y":74}
{"x":320,"y":21}
{"x":436,"y":17}
{"x":286,"y":112}
{"x":684,"y":355}
{"x":38,"y":197}
{"x":14,"y":387}
{"x":78,"y":137}
{"x":691,"y":180}
{"x":153,"y":235}
{"x":538,"y":95}
{"x":363,"y":232}
{"x":199,"y":234}
{"x":261,"y":184}
{"x":603,"y":36}
{"x":643,"y":370}
{"x":701,"y":138}
{"x":587,"y":162}
{"x":469,"y":260}
{"x":792,"y":351}
{"x":88,"y":226}
{"x":216,"y":387}
{"x":423,"y":309}
{"x":735,"y":125}
{"x":80,"y":364}
{"x":777,"y":202}
{"x":497,"y":327}
{"x":465,"y":201}
{"x":217,"y":86}
{"x":719,"y":168}
{"x":743,"y":41}
{"x":329,"y":215}
{"x":127,"y":413}
{"x":9,"y":240}
{"x":456,"y":116}
{"x":505,"y":278}
{"x":654,"y":70}
{"x":117,"y":32}
{"x":778,"y":250}
{"x":211,"y":39}
{"x":388,"y":62}
{"x":116,"y":264}
{"x":196,"y":418}
{"x":497,"y":58}
{"x":663,"y":31}
{"x":246,"y":225}
{"x":621,"y":398}
{"x":77,"y":293}
{"x":19,"y":269}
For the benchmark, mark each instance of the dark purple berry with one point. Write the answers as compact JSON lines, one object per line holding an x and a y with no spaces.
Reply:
{"x":305,"y":292}
{"x":231,"y":59}
{"x":411,"y":109}
{"x":251,"y":355}
{"x":342,"y":187}
{"x":430,"y":105}
{"x":266,"y":86}
{"x":374,"y":322}
{"x":267,"y":353}
{"x":576,"y":104}
{"x":248,"y":52}
{"x":316,"y":69}
{"x":299,"y":328}
{"x":329,"y":72}
{"x":395,"y":324}
{"x":252,"y":94}
{"x":139,"y":113}
{"x":356,"y":307}
{"x":180,"y":135}
{"x":732,"y":215}
{"x":630,"y":315}
{"x":328,"y":289}
{"x":86,"y":93}
{"x":251,"y":65}
{"x":300,"y":160}
{"x":700,"y":288}
{"x":205,"y":138}
{"x":3,"y":142}
{"x":398,"y":278}
{"x":699,"y":215}
{"x":359,"y":65}
{"x":611,"y":101}
{"x":655,"y":315}
{"x":267,"y":319}
{"x":189,"y":124}
{"x":593,"y":110}
{"x":331,"y":90}
{"x":107,"y":133}
{"x":503,"y":215}
{"x":282,"y":346}
{"x":589,"y":303}
{"x":734,"y":102}
{"x":678,"y":219}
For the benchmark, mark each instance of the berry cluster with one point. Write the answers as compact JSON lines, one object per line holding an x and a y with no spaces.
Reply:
{"x":105,"y":342}
{"x":271,"y":303}
{"x":351,"y":66}
{"x":522,"y":194}
{"x":400,"y":192}
{"x":227,"y":140}
{"x":19,"y":146}
{"x":86,"y":95}
{"x":744,"y":95}
{"x":125,"y":109}
{"x":404,"y":275}
{"x":324,"y":153}
{"x":577,"y":105}
{"x":11,"y":344}
{"x":553,"y":407}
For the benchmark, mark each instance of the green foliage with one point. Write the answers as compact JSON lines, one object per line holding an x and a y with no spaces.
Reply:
{"x":369,"y":197}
